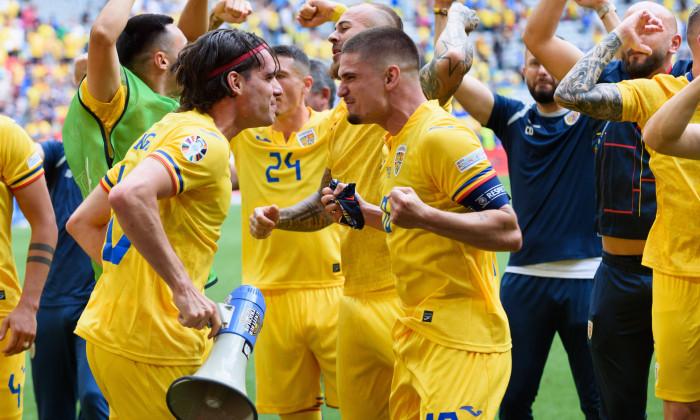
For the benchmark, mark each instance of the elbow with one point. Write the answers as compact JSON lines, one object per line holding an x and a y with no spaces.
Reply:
{"x":457,"y":55}
{"x":562,"y":98}
{"x":101,"y":36}
{"x":120,"y":198}
{"x":529,"y":38}
{"x":514,"y":240}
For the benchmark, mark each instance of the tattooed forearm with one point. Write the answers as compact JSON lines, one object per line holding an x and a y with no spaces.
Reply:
{"x":453,"y":55}
{"x":308,"y":215}
{"x":214,"y":21}
{"x":578,"y":91}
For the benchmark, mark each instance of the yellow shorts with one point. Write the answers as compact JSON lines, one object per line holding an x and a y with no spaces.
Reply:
{"x":365,"y":355}
{"x":675,"y":316}
{"x":436,"y":382}
{"x":297,"y":344}
{"x":11,"y":382}
{"x":134,"y":390}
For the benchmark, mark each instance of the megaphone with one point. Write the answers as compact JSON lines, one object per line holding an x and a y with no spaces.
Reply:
{"x":217,"y":390}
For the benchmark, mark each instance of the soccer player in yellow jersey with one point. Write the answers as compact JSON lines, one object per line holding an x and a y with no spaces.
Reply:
{"x":21,"y":176}
{"x":673,"y":245}
{"x":169,"y":197}
{"x":370,"y":304}
{"x":443,"y":212}
{"x":299,"y":273}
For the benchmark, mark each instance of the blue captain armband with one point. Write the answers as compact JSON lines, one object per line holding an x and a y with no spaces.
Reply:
{"x":491,"y":195}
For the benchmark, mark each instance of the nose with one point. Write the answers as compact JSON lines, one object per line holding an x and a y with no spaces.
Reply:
{"x":343,"y":89}
{"x":276,"y":88}
{"x":334,"y":37}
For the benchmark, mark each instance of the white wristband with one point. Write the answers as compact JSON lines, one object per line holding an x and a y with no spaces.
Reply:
{"x":605,"y":9}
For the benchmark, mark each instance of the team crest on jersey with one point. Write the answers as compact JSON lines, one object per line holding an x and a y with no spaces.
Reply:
{"x":590,"y":329}
{"x":194,"y":148}
{"x":251,"y":321}
{"x":572,"y":117}
{"x":306,"y":137}
{"x":398,"y":158}
{"x":471,"y":159}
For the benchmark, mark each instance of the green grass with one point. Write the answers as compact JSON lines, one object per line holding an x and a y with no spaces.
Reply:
{"x":556,"y":398}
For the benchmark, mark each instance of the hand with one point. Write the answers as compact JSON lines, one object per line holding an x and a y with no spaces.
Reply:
{"x":465,"y":15}
{"x":22,"y":325}
{"x":407,"y":209}
{"x":263,"y":221}
{"x":639,"y":23}
{"x":196,"y":310}
{"x":232,"y":11}
{"x":315,"y":12}
{"x":328,"y":200}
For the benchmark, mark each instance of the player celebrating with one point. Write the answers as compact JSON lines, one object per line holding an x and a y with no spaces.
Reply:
{"x":672,"y":248}
{"x":169,"y":197}
{"x":444,"y":210}
{"x":370,"y":305}
{"x":281,"y":164}
{"x":22,"y":176}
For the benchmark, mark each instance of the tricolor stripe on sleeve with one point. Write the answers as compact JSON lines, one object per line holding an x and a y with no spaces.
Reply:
{"x":173,"y":169}
{"x":27,"y":179}
{"x":473,"y":183}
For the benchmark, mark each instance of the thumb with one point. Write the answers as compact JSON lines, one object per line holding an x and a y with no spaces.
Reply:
{"x":273,"y":213}
{"x":3,"y":328}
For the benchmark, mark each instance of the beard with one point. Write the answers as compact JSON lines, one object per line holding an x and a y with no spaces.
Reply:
{"x":354,"y":119}
{"x":542,"y":96}
{"x":641,"y":69}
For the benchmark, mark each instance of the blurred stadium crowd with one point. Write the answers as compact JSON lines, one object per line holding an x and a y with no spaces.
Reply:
{"x":39,"y":42}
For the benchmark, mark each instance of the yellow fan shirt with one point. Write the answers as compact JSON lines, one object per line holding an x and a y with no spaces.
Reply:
{"x":673,"y":244}
{"x":274,"y":171}
{"x":20,"y":165}
{"x":448,"y":289}
{"x":131,"y":311}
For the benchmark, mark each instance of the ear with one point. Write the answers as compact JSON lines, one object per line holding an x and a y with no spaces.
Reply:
{"x":676,"y":41}
{"x":160,"y":60}
{"x":235,"y":82}
{"x":308,"y":82}
{"x":326,"y":94}
{"x":391,"y":77}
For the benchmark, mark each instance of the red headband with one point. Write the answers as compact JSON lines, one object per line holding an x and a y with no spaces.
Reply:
{"x":237,"y":61}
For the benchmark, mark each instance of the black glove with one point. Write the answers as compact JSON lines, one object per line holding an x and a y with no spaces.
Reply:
{"x":352,"y":215}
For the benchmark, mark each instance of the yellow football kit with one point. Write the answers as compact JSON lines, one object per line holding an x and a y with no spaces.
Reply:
{"x":449,"y":290}
{"x":131,"y":313}
{"x":299,"y":273}
{"x":20,"y":165}
{"x":672,"y":247}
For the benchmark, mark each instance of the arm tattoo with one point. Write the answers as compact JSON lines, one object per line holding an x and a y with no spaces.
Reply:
{"x":578,"y":91}
{"x":308,"y":215}
{"x":214,"y":21}
{"x":42,"y":260}
{"x":41,"y":247}
{"x":453,"y":58}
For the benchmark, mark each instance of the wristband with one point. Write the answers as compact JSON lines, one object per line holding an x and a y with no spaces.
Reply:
{"x":340,"y":8}
{"x":440,"y":11}
{"x":605,"y":9}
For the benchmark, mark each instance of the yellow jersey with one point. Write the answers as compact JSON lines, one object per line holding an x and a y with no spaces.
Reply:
{"x":673,"y":244}
{"x":273,"y":170}
{"x":355,"y":154}
{"x":20,"y":165}
{"x":448,"y":289}
{"x":131,"y":311}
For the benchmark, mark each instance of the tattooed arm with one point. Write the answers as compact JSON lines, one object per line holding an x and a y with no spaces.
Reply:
{"x":578,"y":91}
{"x":231,"y":11}
{"x":453,"y":53}
{"x":308,"y":215}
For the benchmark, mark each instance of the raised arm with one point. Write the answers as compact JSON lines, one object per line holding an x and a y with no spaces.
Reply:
{"x":35,"y":204}
{"x":308,"y":215}
{"x":103,"y":62}
{"x":557,"y":55}
{"x":476,"y":99}
{"x":578,"y":91}
{"x":231,"y":11}
{"x":453,"y":56}
{"x":668,"y":131}
{"x":317,"y":12}
{"x":194,"y":19}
